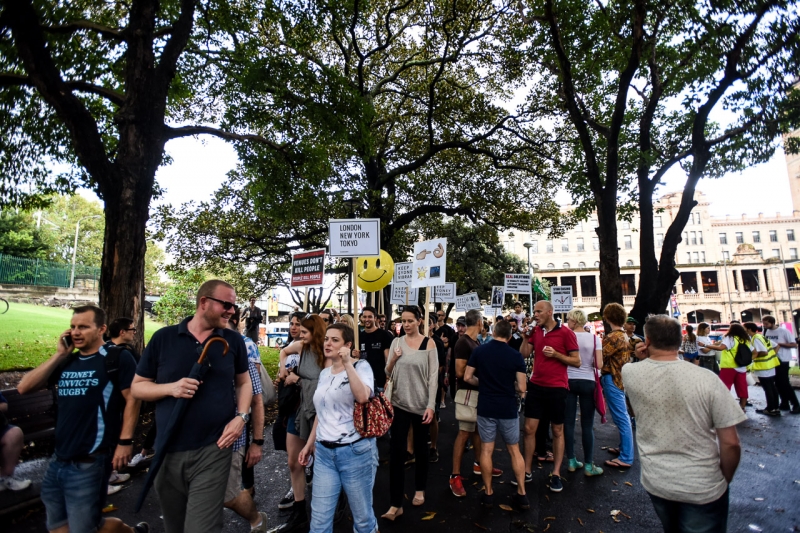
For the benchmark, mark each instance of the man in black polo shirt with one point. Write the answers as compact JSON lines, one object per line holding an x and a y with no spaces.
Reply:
{"x":374,"y":345}
{"x":516,"y":337}
{"x":192,"y":480}
{"x":97,"y":415}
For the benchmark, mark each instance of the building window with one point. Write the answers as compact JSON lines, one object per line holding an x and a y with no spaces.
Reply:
{"x":696,"y":257}
{"x":579,"y":226}
{"x":549,"y":244}
{"x":597,"y":264}
{"x":689,"y":257}
{"x":790,"y":235}
{"x":700,"y":235}
{"x":580,"y":244}
{"x":550,"y":265}
{"x":565,"y":265}
{"x":536,"y":266}
{"x":628,"y":242}
{"x":739,"y":237}
{"x":535,"y":247}
{"x":685,"y":237}
{"x":793,"y":253}
{"x":693,"y":238}
{"x":588,"y":286}
{"x":760,"y":253}
{"x":723,"y":238}
{"x":702,"y":257}
{"x":656,"y":222}
{"x":726,"y":256}
{"x":773,"y":236}
{"x":626,"y":225}
{"x":756,"y":236}
{"x":565,"y":245}
{"x":696,"y":218}
{"x":629,"y":263}
{"x":776,"y":253}
{"x":595,"y":243}
{"x":659,"y":240}
{"x":581,"y":265}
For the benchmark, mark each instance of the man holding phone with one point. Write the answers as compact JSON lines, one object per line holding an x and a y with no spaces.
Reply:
{"x":96,"y":418}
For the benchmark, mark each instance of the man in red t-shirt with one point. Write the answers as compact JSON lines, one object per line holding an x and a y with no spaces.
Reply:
{"x":555,"y":347}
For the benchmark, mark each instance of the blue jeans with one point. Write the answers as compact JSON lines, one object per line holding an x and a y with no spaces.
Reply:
{"x":615,"y":402}
{"x":583,"y":390}
{"x":681,"y":517}
{"x":353,"y":469}
{"x":74,"y":493}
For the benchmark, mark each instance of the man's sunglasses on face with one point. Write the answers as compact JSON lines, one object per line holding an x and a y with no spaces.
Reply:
{"x":225,"y":305}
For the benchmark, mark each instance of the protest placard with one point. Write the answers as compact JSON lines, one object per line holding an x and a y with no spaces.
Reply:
{"x":561,"y":298}
{"x":403,"y":273}
{"x":360,"y":237}
{"x":445,"y":293}
{"x":498,"y":296}
{"x":430,"y":263}
{"x":518,"y":283}
{"x":308,"y":268}
{"x":399,"y":295}
{"x":465,"y":302}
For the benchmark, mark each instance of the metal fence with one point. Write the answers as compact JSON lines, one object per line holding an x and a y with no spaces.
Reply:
{"x":23,"y":271}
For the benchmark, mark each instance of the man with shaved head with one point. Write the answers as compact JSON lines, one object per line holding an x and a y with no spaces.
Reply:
{"x":554,"y":347}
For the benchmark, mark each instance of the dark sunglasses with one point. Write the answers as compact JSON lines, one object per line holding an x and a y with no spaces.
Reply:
{"x":225,"y":305}
{"x":131,"y":329}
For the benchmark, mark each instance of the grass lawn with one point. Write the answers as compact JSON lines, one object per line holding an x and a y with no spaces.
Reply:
{"x":270,"y":358}
{"x":28,"y":334}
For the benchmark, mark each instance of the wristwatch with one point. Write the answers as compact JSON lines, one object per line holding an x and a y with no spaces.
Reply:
{"x":258,"y":442}
{"x":244,"y":416}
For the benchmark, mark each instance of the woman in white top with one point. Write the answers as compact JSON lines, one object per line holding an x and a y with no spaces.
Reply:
{"x":707,"y":357}
{"x":344,"y":459}
{"x":581,"y":387}
{"x":414,"y":369}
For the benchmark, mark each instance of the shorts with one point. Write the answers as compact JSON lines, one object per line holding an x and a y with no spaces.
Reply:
{"x":74,"y":493}
{"x":691,"y":356}
{"x":508,"y":428}
{"x":235,"y":476}
{"x":546,"y":403}
{"x":469,"y":427}
{"x":9,"y":427}
{"x":730,"y":376}
{"x":291,"y":426}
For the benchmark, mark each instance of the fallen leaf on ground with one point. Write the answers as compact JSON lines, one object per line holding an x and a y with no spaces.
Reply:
{"x":481,"y":527}
{"x":761,"y":466}
{"x":614,"y":482}
{"x":626,"y":516}
{"x":550,"y":518}
{"x":110,"y":508}
{"x":629,"y":483}
{"x":547,"y":497}
{"x":590,"y":510}
{"x":579,"y":521}
{"x":548,"y":527}
{"x":429,"y":515}
{"x":505,"y":507}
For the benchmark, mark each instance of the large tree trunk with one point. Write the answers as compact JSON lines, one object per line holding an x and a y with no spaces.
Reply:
{"x":610,"y":284}
{"x":649,"y":272}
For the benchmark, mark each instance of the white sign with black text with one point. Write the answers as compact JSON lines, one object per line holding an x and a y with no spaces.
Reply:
{"x":518,"y":283}
{"x":399,"y":295}
{"x":444,"y":293}
{"x":403,"y":273}
{"x":465,"y":302}
{"x":561,"y":298}
{"x":359,"y":237}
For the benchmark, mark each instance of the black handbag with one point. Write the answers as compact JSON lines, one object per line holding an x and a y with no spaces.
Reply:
{"x":288,"y":398}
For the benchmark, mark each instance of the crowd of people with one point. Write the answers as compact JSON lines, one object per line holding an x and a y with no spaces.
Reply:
{"x":657,"y":386}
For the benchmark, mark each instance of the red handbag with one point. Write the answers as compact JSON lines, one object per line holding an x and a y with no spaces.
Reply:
{"x":374,"y":418}
{"x":599,"y":399}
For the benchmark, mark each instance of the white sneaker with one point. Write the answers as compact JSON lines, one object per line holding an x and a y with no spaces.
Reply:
{"x":113,"y":489}
{"x":118,"y":478}
{"x":136,"y":459}
{"x":14,"y":484}
{"x":442,"y":406}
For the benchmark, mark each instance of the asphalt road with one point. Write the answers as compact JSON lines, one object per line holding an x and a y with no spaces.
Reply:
{"x":765,"y":495}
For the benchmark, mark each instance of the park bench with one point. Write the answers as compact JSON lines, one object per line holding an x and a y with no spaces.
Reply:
{"x":34,"y":413}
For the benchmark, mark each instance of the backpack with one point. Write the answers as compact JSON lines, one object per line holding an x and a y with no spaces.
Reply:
{"x":743,"y":355}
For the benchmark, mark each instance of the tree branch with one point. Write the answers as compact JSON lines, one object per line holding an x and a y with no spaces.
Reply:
{"x":109,"y":33}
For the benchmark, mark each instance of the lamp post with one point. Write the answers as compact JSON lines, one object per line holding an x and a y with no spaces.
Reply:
{"x":351,"y":204}
{"x":75,"y":248}
{"x":758,"y":290}
{"x":727,"y":285}
{"x":340,"y":296}
{"x":788,"y":290}
{"x":528,"y":246}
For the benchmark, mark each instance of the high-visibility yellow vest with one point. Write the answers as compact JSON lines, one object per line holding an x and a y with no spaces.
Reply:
{"x":765,"y":362}
{"x":726,"y":360}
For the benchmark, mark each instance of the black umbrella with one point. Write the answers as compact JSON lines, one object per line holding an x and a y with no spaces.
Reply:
{"x":198,"y":371}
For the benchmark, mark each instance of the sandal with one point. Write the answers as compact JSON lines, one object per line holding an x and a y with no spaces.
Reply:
{"x":616,"y":463}
{"x":391,"y":516}
{"x":613,"y":451}
{"x":417,"y":501}
{"x":547,"y":459}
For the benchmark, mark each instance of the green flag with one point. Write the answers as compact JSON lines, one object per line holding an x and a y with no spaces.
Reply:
{"x":539,"y":289}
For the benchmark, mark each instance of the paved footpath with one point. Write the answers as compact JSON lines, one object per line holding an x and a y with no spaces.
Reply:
{"x":765,"y":495}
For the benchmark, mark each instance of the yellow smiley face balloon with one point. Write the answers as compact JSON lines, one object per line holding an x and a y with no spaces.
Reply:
{"x":374,"y":273}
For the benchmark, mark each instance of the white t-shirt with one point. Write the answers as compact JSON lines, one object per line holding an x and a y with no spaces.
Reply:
{"x":587,"y":344}
{"x":758,"y":346}
{"x":678,"y":409}
{"x":705,"y":340}
{"x":520,"y":317}
{"x":783,"y":336}
{"x":729,"y":342}
{"x":334,"y":402}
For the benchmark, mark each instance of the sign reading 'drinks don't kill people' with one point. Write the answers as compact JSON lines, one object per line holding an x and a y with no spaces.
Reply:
{"x":308,"y":268}
{"x":358,"y":237}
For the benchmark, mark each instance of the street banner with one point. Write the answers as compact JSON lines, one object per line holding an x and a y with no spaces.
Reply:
{"x":498,"y":296}
{"x":403,"y":273}
{"x":489,"y":311}
{"x":358,"y":237}
{"x":430,"y":263}
{"x":561,"y":298}
{"x":399,"y":295}
{"x":445,"y":294}
{"x":465,"y":302}
{"x":308,"y":268}
{"x":518,"y":283}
